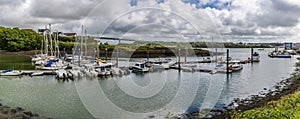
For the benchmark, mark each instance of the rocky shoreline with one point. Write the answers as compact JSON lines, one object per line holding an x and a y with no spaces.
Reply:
{"x":17,"y":113}
{"x":285,"y":87}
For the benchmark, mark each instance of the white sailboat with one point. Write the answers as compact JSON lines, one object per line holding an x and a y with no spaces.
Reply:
{"x":10,"y":72}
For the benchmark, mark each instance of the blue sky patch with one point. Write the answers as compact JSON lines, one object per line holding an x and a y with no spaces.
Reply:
{"x":214,"y":4}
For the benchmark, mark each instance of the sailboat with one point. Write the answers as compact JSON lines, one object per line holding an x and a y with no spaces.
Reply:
{"x":10,"y":72}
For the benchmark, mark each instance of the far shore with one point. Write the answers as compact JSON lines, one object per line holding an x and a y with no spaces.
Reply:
{"x":153,"y":53}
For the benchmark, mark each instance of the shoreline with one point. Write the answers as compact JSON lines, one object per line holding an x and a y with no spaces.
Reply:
{"x":283,"y":88}
{"x":153,"y":53}
{"x":17,"y":113}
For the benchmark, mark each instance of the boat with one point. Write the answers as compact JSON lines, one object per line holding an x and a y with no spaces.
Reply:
{"x":52,"y":65}
{"x":220,"y":68}
{"x":223,"y":61}
{"x":37,"y":73}
{"x":206,"y":60}
{"x":256,"y":57}
{"x":10,"y":72}
{"x":140,"y":67}
{"x":162,"y":64}
{"x":187,"y":69}
{"x":260,"y":49}
{"x":102,"y":71}
{"x":235,"y":65}
{"x":280,"y":54}
{"x":284,"y":56}
{"x":75,"y":72}
{"x":61,"y":74}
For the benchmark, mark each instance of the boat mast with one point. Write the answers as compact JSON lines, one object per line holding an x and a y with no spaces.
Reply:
{"x":117,"y":59}
{"x":42,"y":46}
{"x":57,"y":44}
{"x":46,"y":40}
{"x":85,"y":42}
{"x":81,"y":42}
{"x":97,"y":46}
{"x":50,"y":38}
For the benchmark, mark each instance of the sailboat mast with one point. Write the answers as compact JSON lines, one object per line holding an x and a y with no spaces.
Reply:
{"x":57,"y":44}
{"x":81,"y":42}
{"x":85,"y":42}
{"x":42,"y":45}
{"x":50,"y":40}
{"x":46,"y":40}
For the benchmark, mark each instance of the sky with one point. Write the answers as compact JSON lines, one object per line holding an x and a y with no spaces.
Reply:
{"x":162,"y":20}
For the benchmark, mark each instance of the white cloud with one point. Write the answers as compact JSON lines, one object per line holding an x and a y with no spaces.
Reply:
{"x":259,"y":20}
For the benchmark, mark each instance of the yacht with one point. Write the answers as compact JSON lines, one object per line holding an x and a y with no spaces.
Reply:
{"x":140,"y":67}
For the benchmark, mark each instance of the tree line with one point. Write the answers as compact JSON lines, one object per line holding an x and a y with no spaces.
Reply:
{"x":15,"y":39}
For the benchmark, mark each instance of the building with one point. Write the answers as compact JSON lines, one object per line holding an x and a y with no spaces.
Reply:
{"x":288,"y":46}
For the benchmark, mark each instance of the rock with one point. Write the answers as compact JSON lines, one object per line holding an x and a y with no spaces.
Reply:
{"x":30,"y":114}
{"x":5,"y":111}
{"x":19,"y":109}
{"x":13,"y":111}
{"x":36,"y":115}
{"x":151,"y":116}
{"x":25,"y":117}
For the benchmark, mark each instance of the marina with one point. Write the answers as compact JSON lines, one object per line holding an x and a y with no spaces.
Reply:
{"x":149,"y":59}
{"x":238,"y":85}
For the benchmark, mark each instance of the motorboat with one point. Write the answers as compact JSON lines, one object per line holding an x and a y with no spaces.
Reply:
{"x":256,"y":57}
{"x":102,"y":71}
{"x":163,"y":64}
{"x":187,"y":69}
{"x":221,"y":68}
{"x":235,"y":65}
{"x":140,"y":67}
{"x":37,"y":73}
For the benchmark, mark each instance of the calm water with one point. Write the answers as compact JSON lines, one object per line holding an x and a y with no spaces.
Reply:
{"x":143,"y":95}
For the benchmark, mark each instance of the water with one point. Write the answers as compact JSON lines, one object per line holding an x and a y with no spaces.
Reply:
{"x":141,"y":95}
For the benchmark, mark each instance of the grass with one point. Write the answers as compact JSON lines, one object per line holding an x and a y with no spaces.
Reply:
{"x":15,"y":62}
{"x":287,"y":107}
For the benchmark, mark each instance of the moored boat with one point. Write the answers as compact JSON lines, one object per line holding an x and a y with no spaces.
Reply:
{"x":235,"y":65}
{"x":140,"y":67}
{"x":37,"y":73}
{"x":256,"y":57}
{"x":10,"y":72}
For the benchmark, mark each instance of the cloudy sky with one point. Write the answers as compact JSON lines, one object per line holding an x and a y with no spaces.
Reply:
{"x":180,"y":20}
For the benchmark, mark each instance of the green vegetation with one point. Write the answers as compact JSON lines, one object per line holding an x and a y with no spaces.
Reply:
{"x":16,"y":62}
{"x":235,"y":45}
{"x":287,"y":107}
{"x":15,"y":39}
